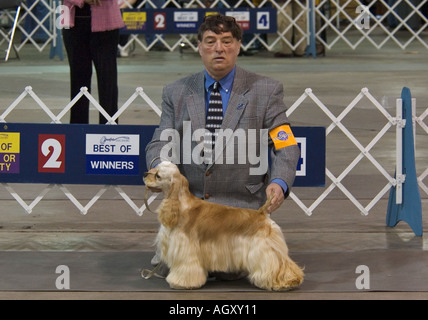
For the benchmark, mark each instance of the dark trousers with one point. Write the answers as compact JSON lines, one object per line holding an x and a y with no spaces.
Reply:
{"x":84,"y":47}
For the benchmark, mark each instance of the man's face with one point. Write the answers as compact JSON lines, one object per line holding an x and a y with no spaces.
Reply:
{"x":219,"y":53}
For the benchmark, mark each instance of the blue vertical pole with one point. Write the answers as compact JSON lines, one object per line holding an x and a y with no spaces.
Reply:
{"x":410,"y":210}
{"x":311,"y":48}
{"x":57,"y":48}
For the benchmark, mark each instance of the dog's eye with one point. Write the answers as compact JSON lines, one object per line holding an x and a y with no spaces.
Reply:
{"x":157,"y":176}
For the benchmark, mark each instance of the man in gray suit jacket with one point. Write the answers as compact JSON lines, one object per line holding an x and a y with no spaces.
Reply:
{"x":253,"y":119}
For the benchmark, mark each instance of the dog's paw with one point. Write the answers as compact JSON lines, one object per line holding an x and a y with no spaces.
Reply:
{"x":289,"y":284}
{"x":177,"y":281}
{"x":289,"y":276}
{"x":180,"y":286}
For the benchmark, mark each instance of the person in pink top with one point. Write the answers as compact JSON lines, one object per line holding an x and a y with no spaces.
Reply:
{"x":92,"y":37}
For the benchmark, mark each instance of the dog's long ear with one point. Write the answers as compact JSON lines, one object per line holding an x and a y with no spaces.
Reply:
{"x":171,"y":206}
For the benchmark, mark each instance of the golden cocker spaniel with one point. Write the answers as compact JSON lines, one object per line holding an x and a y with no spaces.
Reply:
{"x":197,"y":237}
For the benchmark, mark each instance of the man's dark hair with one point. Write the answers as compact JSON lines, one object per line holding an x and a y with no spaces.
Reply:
{"x":219,"y":23}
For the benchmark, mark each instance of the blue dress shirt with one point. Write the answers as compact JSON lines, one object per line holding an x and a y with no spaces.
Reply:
{"x":225,"y":90}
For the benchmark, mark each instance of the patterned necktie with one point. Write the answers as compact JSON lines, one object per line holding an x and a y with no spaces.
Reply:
{"x":213,"y":122}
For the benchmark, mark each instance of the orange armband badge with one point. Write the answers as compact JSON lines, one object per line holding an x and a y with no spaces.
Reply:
{"x":282,"y":137}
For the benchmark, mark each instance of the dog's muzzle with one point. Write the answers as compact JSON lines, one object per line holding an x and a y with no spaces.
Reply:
{"x":152,"y":189}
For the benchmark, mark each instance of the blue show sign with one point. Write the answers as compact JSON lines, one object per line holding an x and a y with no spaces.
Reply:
{"x":74,"y":153}
{"x":179,"y":20}
{"x":112,"y":154}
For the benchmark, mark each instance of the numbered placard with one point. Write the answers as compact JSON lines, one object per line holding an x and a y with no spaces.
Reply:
{"x":159,"y":21}
{"x":263,"y":20}
{"x":51,"y":153}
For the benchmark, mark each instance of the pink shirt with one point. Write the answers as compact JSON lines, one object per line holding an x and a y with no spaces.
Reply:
{"x":105,"y":17}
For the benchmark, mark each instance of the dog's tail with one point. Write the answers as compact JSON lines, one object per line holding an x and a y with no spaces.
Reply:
{"x":263,"y":209}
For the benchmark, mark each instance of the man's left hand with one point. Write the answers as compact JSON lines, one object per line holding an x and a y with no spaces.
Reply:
{"x":278,"y":196}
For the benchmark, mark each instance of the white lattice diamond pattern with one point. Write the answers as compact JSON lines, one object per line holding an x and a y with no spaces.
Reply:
{"x":334,"y":22}
{"x":337,"y":122}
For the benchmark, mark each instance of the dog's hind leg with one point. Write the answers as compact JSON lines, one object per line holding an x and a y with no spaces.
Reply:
{"x":278,"y":274}
{"x":289,"y":275}
{"x":272,"y":269}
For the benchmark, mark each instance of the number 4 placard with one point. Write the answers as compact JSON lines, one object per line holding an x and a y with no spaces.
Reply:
{"x":51,"y":153}
{"x":263,"y":20}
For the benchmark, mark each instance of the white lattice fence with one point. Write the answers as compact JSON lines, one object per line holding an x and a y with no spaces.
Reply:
{"x":36,"y":24}
{"x":402,"y":22}
{"x":56,"y":119}
{"x":337,"y":122}
{"x":350,"y":21}
{"x":379,"y":22}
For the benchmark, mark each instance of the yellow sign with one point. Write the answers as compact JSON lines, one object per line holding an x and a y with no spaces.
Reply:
{"x":9,"y":142}
{"x":9,"y":152}
{"x":134,"y":20}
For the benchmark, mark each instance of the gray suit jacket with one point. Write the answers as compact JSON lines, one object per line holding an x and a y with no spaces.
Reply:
{"x":256,"y":102}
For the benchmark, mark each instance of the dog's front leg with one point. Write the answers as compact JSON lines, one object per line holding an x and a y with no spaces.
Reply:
{"x":183,"y":258}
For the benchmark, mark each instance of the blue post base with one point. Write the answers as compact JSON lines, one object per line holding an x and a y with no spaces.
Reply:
{"x":56,"y":50}
{"x":410,"y":210}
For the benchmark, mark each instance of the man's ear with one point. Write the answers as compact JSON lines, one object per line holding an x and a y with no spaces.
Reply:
{"x":239,"y":47}
{"x":199,"y":48}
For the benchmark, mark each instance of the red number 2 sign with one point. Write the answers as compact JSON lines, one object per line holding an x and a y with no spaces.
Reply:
{"x":51,"y":153}
{"x":159,"y":20}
